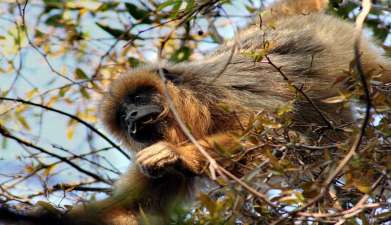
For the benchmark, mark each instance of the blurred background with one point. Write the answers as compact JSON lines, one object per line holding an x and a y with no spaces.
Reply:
{"x":57,"y":58}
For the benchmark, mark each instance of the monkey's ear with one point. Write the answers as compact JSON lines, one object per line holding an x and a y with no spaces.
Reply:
{"x":171,"y":76}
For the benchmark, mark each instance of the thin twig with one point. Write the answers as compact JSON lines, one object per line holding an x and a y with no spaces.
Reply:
{"x":22,"y":12}
{"x":214,"y":167}
{"x":300,"y":90}
{"x":358,"y":139}
{"x":72,"y":117}
{"x":6,"y":134}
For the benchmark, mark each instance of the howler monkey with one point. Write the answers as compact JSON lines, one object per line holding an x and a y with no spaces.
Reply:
{"x":310,"y":48}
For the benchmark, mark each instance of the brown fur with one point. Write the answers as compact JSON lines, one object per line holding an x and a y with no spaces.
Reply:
{"x":311,"y":48}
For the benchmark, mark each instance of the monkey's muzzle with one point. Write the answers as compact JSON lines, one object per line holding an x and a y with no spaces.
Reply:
{"x":141,"y":121}
{"x":141,"y":115}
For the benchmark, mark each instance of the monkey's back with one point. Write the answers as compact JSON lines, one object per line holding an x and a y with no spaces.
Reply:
{"x":312,"y":51}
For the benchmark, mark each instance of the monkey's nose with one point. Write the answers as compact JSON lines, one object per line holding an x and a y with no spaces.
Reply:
{"x":141,"y":114}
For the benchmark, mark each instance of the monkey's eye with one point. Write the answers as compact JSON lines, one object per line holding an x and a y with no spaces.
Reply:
{"x":141,"y":99}
{"x":174,"y":78}
{"x":142,"y":96}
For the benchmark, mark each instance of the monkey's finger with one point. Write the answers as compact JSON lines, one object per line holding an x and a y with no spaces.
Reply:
{"x":147,"y":155}
{"x":149,"y":152}
{"x":154,"y":159}
{"x":169,"y":161}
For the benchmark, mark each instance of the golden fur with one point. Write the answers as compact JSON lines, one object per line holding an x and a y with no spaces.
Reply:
{"x":311,"y":48}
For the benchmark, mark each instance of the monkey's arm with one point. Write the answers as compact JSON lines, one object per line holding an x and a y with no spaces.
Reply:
{"x":164,"y":154}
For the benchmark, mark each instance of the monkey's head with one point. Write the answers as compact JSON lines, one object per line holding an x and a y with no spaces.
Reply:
{"x":136,"y":111}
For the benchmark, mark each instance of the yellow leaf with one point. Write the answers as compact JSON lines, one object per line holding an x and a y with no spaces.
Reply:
{"x":87,"y":117}
{"x":20,"y":108}
{"x":49,"y":170}
{"x":362,"y":185}
{"x":284,"y":109}
{"x":29,"y":169}
{"x":336,"y":99}
{"x":31,"y":93}
{"x":23,"y":121}
{"x":70,"y":132}
{"x":51,"y":101}
{"x":48,"y":207}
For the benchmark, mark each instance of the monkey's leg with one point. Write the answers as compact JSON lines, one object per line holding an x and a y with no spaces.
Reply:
{"x":135,"y":192}
{"x":120,"y":209}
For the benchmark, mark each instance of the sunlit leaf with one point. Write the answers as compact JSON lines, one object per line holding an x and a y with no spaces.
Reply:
{"x":49,"y":170}
{"x":23,"y":121}
{"x":31,"y":93}
{"x":29,"y":168}
{"x":51,"y":101}
{"x":181,"y":54}
{"x":168,"y":3}
{"x":80,"y":74}
{"x":48,"y":207}
{"x":70,"y":132}
{"x":62,"y":91}
{"x":336,"y":99}
{"x":84,"y":93}
{"x":362,"y":185}
{"x":138,"y":13}
{"x":107,"y":6}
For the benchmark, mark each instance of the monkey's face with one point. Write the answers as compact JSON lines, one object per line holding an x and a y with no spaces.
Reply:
{"x":135,"y":109}
{"x":138,"y":115}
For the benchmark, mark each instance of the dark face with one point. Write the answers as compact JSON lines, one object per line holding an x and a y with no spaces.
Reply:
{"x":138,"y":115}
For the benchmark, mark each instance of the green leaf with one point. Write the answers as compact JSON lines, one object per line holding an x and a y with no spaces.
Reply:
{"x":107,"y":6}
{"x":250,"y":8}
{"x":119,"y":34}
{"x":52,"y":4}
{"x":168,"y":3}
{"x":114,"y":32}
{"x":80,"y":74}
{"x":84,"y":93}
{"x":181,"y":54}
{"x":190,"y":5}
{"x":343,"y":10}
{"x":64,"y":90}
{"x":380,"y":31}
{"x":207,"y":202}
{"x":137,"y":13}
{"x":133,"y":62}
{"x":175,"y":9}
{"x":4,"y":143}
{"x":55,"y":20}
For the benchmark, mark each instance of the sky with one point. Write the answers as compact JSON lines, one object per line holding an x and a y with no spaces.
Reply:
{"x":37,"y":71}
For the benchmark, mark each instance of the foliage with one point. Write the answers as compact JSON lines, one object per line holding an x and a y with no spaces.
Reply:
{"x":56,"y":59}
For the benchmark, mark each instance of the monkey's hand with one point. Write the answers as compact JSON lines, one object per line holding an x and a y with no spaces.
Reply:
{"x":161,"y":157}
{"x":156,"y":159}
